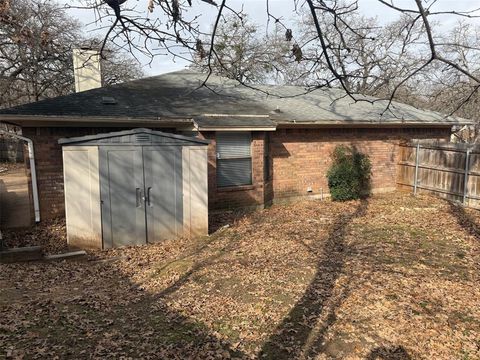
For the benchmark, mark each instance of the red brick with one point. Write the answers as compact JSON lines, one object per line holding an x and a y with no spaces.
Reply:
{"x":299,"y":158}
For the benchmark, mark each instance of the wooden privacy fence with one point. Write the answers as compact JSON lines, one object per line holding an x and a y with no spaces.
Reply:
{"x":445,"y":169}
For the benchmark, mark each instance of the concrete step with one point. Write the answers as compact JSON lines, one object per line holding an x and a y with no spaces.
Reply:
{"x":72,"y":255}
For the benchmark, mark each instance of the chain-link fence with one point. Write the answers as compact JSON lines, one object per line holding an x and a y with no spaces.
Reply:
{"x":11,"y":149}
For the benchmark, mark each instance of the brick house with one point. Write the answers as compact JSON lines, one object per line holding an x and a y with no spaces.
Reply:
{"x":266,"y":146}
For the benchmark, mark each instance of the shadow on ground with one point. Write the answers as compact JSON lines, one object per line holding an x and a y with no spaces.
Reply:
{"x":99,"y":309}
{"x":464,"y":219}
{"x":285,"y":283}
{"x":389,"y":353}
{"x":92,"y":310}
{"x":299,"y":333}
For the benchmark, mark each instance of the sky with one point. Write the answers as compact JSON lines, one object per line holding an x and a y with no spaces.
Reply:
{"x":256,"y":10}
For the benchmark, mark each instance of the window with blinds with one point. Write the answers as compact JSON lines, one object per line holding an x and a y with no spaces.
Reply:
{"x":234,"y":158}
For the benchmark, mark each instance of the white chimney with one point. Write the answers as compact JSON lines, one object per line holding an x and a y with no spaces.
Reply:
{"x":87,"y":69}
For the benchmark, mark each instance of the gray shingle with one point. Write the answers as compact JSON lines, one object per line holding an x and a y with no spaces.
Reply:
{"x":179,"y":95}
{"x":205,"y":122}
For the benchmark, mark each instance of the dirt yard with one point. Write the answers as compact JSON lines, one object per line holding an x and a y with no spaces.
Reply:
{"x":14,"y":197}
{"x":392,"y":277}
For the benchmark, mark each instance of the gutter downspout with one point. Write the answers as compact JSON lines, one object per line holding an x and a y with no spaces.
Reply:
{"x":31,"y":156}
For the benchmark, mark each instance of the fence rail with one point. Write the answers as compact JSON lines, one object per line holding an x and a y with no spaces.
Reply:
{"x":11,"y":150}
{"x":448,"y":170}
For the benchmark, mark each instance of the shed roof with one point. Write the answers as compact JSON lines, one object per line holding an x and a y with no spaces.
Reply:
{"x":179,"y":95}
{"x":128,"y":137}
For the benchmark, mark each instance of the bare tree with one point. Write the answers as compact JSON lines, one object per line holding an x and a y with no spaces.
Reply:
{"x":36,"y":41}
{"x":171,"y":27}
{"x":33,"y":54}
{"x":244,"y":52}
{"x":242,"y":55}
{"x":370,"y":59}
{"x":454,"y":92}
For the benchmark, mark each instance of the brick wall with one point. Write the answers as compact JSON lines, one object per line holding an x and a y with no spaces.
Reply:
{"x":299,"y":158}
{"x":49,"y":166}
{"x":242,"y":196}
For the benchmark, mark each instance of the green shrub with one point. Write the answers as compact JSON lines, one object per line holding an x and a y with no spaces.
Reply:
{"x":349,"y":174}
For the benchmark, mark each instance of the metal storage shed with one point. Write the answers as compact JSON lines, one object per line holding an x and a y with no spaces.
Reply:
{"x":134,"y":187}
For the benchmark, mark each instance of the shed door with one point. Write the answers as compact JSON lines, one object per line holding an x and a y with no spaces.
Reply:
{"x":164,"y":196}
{"x":123,"y":210}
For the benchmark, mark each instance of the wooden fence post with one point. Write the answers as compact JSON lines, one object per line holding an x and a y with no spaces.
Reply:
{"x":415,"y":180}
{"x":465,"y":180}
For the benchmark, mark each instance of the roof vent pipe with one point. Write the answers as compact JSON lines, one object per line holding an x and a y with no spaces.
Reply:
{"x":87,"y":69}
{"x":31,"y":156}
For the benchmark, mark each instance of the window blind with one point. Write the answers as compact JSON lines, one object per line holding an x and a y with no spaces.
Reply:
{"x":234,"y":158}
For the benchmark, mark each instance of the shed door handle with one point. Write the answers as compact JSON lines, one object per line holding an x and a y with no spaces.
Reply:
{"x":148,"y":195}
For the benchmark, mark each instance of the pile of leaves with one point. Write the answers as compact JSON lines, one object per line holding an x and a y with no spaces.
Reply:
{"x":50,"y":234}
{"x":388,"y":277}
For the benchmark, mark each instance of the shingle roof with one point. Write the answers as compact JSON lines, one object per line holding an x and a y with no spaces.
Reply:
{"x":206,"y":122}
{"x":179,"y":95}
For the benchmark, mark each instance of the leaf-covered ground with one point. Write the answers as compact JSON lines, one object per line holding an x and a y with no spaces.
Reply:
{"x":392,"y":277}
{"x":50,"y":234}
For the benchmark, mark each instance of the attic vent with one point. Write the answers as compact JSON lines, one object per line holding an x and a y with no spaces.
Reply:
{"x":142,"y":138}
{"x":108,"y":100}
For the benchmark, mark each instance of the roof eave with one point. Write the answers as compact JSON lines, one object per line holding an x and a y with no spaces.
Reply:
{"x":369,"y":124}
{"x":236,"y":128}
{"x":87,"y":121}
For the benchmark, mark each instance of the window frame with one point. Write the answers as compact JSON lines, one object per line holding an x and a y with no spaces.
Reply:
{"x":219,"y":160}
